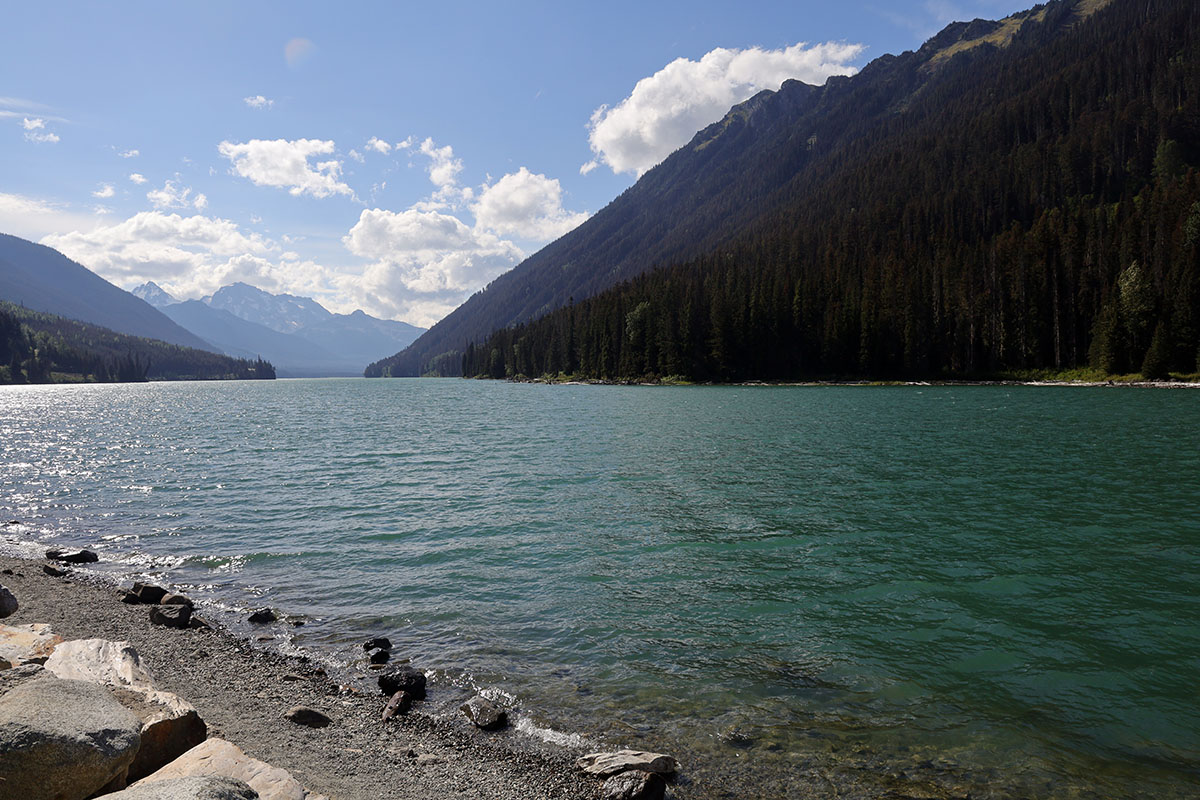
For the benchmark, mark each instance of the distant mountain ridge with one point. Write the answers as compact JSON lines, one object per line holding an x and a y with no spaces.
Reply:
{"x":43,"y":279}
{"x":297,"y":334}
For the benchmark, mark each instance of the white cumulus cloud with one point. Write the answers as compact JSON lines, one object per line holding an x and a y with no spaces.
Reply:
{"x":526,"y":205}
{"x":137,"y":178}
{"x":190,"y":256}
{"x":174,"y":195}
{"x":105,"y":190}
{"x":665,"y":110}
{"x":258,"y":101}
{"x":283,"y":163}
{"x":129,"y":154}
{"x":424,"y":263}
{"x":379,"y":145}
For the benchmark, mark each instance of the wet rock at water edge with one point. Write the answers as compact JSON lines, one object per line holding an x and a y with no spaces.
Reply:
{"x":53,"y":571}
{"x":171,"y":616}
{"x":377,"y":643}
{"x":400,"y":703}
{"x":380,"y":656}
{"x":8,"y":602}
{"x":607,"y":764}
{"x":484,"y":714}
{"x":634,"y":784}
{"x":72,"y":556}
{"x":177,"y":600}
{"x":309,"y":717}
{"x":403,"y":679}
{"x":148,"y":593}
{"x":262,"y":616}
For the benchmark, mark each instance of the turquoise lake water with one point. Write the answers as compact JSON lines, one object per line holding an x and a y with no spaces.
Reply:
{"x":835,"y":591}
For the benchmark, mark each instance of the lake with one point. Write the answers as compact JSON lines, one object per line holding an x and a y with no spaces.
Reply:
{"x":832,"y":590}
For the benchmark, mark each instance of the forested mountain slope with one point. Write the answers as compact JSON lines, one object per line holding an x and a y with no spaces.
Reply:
{"x":36,"y":347}
{"x":1035,"y":206}
{"x":779,"y":150}
{"x":43,"y":279}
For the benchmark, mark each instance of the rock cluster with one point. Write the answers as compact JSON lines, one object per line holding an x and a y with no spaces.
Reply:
{"x":84,"y":718}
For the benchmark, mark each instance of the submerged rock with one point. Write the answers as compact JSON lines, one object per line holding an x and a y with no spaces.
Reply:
{"x":64,"y":739}
{"x":634,"y":785}
{"x":377,"y":643}
{"x":196,"y":787}
{"x":8,"y":602}
{"x":484,"y":714}
{"x":607,"y":764}
{"x":403,"y":679}
{"x":73,"y":556}
{"x":171,"y":616}
{"x":262,"y":616}
{"x":309,"y":717}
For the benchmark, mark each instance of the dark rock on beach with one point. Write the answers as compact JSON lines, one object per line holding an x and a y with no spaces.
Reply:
{"x":8,"y":603}
{"x":171,"y":616}
{"x":403,"y":679}
{"x":378,"y":643}
{"x":380,"y":656}
{"x":149,"y":593}
{"x":262,"y":616}
{"x":73,"y":556}
{"x":53,"y":571}
{"x":177,"y":600}
{"x":309,"y":717}
{"x":634,"y":785}
{"x":484,"y":714}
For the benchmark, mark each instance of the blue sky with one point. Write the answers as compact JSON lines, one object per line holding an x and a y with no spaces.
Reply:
{"x":385,"y":156}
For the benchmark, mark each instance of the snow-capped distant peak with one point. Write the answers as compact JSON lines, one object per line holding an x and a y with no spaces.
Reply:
{"x":153,"y":294}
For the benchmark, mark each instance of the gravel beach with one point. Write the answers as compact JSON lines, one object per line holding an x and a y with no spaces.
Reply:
{"x":243,"y":694}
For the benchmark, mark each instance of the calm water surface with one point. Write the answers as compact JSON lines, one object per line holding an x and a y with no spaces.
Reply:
{"x":928,"y":592}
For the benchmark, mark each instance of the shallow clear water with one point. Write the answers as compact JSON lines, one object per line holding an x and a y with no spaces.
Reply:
{"x":928,"y":591}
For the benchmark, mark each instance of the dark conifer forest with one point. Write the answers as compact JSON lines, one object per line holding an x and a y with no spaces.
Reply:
{"x":975,"y":210}
{"x":44,"y":348}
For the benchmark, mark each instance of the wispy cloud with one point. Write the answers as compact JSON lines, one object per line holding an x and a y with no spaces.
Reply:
{"x":258,"y":101}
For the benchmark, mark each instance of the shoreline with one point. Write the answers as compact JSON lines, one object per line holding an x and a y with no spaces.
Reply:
{"x":243,"y":693}
{"x":1115,"y":384}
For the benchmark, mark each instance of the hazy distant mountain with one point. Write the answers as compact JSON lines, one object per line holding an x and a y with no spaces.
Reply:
{"x":293,"y":356}
{"x":361,"y":336}
{"x":43,"y":279}
{"x":153,"y":294}
{"x":280,"y":312}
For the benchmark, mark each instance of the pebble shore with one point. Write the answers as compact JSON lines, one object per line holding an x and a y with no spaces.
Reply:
{"x":244,"y":694}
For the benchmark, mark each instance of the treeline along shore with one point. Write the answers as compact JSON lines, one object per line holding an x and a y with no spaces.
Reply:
{"x":129,"y":694}
{"x":36,"y":347}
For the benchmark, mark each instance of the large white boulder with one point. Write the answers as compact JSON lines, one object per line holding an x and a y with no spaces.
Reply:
{"x":100,"y":661}
{"x":219,"y":757}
